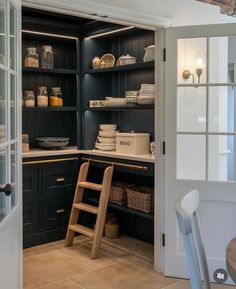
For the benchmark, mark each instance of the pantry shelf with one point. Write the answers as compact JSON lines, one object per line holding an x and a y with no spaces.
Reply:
{"x":39,"y":70}
{"x":64,"y":108}
{"x":142,"y":65}
{"x":121,"y":108}
{"x":95,"y":200}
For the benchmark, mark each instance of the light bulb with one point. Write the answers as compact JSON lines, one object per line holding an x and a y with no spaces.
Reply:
{"x":200,"y":63}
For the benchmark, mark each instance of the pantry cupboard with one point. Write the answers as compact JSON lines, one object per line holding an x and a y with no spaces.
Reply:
{"x":49,"y":180}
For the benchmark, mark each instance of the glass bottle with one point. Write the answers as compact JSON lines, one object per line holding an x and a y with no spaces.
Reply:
{"x":47,"y":60}
{"x":42,"y":96}
{"x":31,"y":58}
{"x":29,"y":99}
{"x":25,"y":143}
{"x":56,"y":98}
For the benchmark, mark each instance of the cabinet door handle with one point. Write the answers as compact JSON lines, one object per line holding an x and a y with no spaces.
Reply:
{"x":7,"y":190}
{"x":59,"y":211}
{"x":60,"y":180}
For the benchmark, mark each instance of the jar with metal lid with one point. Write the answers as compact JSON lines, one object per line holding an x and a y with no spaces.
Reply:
{"x":56,"y":98}
{"x":29,"y":99}
{"x":42,"y":96}
{"x":25,"y":143}
{"x":31,"y":58}
{"x":47,"y":57}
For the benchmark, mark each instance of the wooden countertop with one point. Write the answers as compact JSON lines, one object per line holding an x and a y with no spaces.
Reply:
{"x":33,"y":153}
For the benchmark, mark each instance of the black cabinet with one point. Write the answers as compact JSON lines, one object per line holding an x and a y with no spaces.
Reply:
{"x":48,"y":190}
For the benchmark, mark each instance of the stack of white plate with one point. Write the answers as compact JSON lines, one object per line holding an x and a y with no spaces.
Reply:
{"x":146,"y":94}
{"x":115,"y":101}
{"x":2,"y":133}
{"x":106,"y":140}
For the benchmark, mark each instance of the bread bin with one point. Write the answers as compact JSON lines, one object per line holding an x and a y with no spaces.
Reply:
{"x":132,"y":143}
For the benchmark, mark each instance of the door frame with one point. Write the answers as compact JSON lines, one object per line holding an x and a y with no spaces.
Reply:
{"x":141,"y":20}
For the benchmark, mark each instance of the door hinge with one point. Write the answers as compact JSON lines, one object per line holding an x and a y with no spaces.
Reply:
{"x":163,"y":147}
{"x":163,"y":240}
{"x":164,"y":55}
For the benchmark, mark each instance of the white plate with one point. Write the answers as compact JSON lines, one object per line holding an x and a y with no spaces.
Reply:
{"x":108,"y":134}
{"x":105,"y":147}
{"x":107,"y":140}
{"x":108,"y":127}
{"x":145,"y":100}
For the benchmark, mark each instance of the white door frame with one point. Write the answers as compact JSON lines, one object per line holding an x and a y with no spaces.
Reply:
{"x":149,"y":22}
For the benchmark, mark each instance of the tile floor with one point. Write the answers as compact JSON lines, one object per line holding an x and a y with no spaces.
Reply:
{"x":123,"y":263}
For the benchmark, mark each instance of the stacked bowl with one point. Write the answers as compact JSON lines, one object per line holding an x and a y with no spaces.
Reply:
{"x":106,"y":140}
{"x":146,"y":94}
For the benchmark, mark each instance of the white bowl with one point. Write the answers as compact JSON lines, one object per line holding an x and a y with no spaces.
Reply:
{"x":105,"y":147}
{"x":108,"y":127}
{"x":145,"y":100}
{"x":106,"y":140}
{"x":148,"y":86}
{"x":108,"y":134}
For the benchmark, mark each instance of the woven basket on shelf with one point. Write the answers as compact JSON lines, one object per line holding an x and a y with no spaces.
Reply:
{"x":118,"y":194}
{"x":141,"y":199}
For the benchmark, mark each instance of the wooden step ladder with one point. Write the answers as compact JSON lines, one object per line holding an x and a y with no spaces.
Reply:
{"x":100,"y":211}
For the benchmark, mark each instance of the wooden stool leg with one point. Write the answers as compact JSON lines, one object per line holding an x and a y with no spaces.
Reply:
{"x":102,"y":209}
{"x":77,"y":199}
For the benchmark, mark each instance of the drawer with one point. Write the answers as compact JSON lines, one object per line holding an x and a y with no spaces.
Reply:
{"x":59,"y":178}
{"x":56,"y":211}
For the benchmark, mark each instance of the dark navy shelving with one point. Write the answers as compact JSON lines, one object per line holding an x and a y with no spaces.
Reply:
{"x":39,"y":70}
{"x":135,"y":66}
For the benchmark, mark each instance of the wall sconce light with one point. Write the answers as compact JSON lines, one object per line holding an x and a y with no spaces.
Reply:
{"x":199,"y":68}
{"x":186,"y":73}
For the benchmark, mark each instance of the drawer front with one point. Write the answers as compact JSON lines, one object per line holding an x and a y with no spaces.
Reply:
{"x":56,"y":211}
{"x":59,"y":178}
{"x":30,"y":218}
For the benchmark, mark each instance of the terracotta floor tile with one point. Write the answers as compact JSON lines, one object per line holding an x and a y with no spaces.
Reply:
{"x":108,"y":254}
{"x":64,"y":284}
{"x":132,"y":274}
{"x":41,"y":269}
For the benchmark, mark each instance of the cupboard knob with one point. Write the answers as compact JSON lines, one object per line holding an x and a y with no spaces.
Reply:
{"x":59,"y":211}
{"x":60,"y":180}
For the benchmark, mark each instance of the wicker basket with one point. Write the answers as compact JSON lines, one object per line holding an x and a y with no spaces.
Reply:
{"x":141,"y":199}
{"x":118,"y":193}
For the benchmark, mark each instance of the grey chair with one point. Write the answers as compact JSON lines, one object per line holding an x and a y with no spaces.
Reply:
{"x":188,"y":224}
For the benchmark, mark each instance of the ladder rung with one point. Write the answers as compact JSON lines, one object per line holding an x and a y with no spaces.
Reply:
{"x":86,"y":207}
{"x":89,"y":185}
{"x":82,"y":229}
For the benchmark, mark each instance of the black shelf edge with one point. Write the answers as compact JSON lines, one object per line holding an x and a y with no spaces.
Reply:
{"x":121,"y":108}
{"x":49,"y":71}
{"x":142,"y":65}
{"x":36,"y":108}
{"x":95,"y":200}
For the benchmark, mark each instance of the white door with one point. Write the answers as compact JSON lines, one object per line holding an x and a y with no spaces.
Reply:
{"x":200,"y":135}
{"x":10,"y":147}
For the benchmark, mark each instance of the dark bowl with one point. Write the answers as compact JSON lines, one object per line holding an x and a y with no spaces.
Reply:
{"x":53,"y":142}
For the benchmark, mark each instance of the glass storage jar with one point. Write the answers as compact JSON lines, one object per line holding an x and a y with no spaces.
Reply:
{"x":31,"y":58}
{"x":29,"y":99}
{"x":42,"y":96}
{"x":56,"y":98}
{"x":25,"y":143}
{"x":47,"y":60}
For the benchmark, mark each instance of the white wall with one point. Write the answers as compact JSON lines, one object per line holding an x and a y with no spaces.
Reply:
{"x":180,"y":12}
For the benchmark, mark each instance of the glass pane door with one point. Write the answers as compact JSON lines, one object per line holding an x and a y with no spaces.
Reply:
{"x":206,"y":119}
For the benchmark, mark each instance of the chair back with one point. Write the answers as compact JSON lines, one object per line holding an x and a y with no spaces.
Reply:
{"x":188,"y":224}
